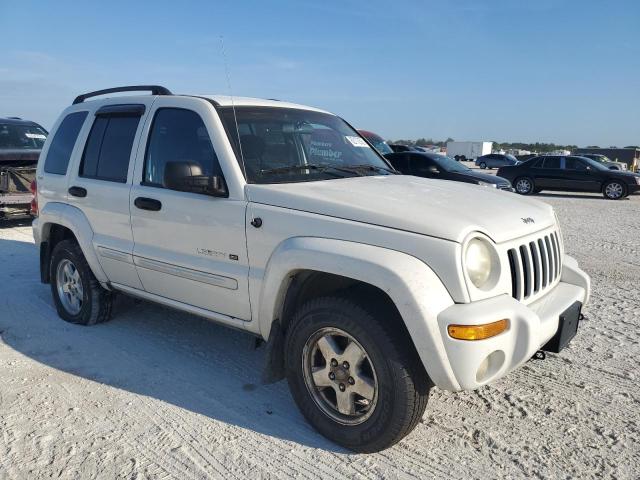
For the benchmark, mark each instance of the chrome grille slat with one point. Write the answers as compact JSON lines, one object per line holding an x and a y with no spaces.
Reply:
{"x":535,"y":266}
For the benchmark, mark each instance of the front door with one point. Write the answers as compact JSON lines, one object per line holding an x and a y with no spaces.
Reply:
{"x":189,"y":247}
{"x":580,"y":176}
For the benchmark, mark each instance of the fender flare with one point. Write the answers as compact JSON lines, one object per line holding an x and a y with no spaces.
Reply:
{"x":414,"y":288}
{"x":75,"y":220}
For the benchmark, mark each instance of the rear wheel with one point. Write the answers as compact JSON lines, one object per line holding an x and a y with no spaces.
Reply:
{"x":356,"y":379}
{"x":524,"y":186}
{"x":78,"y":296}
{"x":614,"y":190}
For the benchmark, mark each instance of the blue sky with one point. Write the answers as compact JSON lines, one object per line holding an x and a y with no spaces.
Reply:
{"x":559,"y":71}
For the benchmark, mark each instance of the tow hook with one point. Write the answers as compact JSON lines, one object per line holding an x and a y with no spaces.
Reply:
{"x":539,"y":355}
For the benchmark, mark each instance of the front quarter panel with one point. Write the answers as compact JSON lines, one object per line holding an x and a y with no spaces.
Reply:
{"x":417,"y":292}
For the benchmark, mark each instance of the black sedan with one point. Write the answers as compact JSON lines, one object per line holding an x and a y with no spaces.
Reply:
{"x":570,"y":174}
{"x":432,"y":165}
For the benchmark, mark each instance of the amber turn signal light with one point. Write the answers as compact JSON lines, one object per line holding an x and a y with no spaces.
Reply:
{"x":478,"y":332}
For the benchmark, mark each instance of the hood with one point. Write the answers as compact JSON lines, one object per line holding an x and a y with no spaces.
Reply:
{"x":437,"y":208}
{"x":481,"y":177}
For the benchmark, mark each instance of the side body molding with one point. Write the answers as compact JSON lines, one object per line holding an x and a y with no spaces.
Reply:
{"x":416,"y":291}
{"x":72,"y":218}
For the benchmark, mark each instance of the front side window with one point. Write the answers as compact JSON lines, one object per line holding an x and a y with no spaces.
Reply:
{"x":108,"y":150}
{"x":64,"y":140}
{"x":279,"y":145}
{"x":572,"y":163}
{"x":21,"y":137}
{"x":179,"y":140}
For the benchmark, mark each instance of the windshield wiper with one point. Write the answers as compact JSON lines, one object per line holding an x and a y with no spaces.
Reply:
{"x":371,"y":168}
{"x":311,"y":166}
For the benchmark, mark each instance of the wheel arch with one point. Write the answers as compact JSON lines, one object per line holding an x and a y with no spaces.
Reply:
{"x":57,"y":222}
{"x":303,"y":268}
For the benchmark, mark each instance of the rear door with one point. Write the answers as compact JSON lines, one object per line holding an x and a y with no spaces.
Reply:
{"x":189,"y":247}
{"x":100,"y":181}
{"x":548,"y":173}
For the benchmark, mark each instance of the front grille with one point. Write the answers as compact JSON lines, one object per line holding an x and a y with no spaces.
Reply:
{"x":535,"y":266}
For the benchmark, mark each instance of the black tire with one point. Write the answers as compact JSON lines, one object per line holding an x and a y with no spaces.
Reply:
{"x":402,"y":383}
{"x":483,"y":165}
{"x":96,"y":301}
{"x":457,"y":158}
{"x":614,"y":190}
{"x":524,"y":185}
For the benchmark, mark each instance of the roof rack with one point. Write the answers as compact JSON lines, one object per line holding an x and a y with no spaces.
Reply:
{"x":154,"y":89}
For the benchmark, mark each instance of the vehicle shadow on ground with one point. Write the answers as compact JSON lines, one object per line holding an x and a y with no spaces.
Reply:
{"x":151,"y":351}
{"x":6,"y":224}
{"x":584,"y":196}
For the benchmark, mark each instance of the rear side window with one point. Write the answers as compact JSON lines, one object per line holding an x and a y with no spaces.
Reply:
{"x":179,"y":136}
{"x":108,"y":149}
{"x":62,"y":144}
{"x":551,"y":162}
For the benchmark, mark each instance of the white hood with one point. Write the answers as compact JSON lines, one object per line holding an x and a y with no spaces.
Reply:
{"x":438,"y":208}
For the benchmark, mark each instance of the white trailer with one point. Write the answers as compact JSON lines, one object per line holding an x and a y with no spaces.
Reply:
{"x":468,"y":150}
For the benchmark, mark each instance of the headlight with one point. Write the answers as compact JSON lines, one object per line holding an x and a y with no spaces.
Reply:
{"x":487,"y":184}
{"x":481,"y":263}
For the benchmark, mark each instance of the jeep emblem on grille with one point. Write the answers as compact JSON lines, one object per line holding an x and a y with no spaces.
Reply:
{"x":528,"y":220}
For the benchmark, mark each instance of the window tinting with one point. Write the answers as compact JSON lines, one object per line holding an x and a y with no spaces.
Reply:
{"x":572,"y":163}
{"x":551,"y":162}
{"x":179,"y":135}
{"x":62,"y":144}
{"x":106,"y":155}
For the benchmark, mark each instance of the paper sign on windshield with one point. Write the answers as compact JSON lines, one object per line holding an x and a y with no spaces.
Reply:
{"x":357,"y":141}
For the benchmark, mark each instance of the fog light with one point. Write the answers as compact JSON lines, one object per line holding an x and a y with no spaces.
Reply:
{"x":477,"y":332}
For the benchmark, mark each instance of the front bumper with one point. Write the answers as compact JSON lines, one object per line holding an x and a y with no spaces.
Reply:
{"x":476,"y":363}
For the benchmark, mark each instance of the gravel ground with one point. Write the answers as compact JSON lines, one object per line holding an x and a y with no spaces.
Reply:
{"x":159,"y":394}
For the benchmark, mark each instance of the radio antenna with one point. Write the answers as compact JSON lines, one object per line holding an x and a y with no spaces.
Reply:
{"x":233,"y":106}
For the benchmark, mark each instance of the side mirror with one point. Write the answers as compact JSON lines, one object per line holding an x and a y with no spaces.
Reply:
{"x":188,"y":177}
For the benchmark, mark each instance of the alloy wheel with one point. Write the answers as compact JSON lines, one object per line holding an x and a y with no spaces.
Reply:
{"x":340,"y":376}
{"x":69,"y":284}
{"x":614,"y":190}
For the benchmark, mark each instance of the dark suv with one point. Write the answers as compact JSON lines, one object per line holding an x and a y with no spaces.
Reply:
{"x":20,"y":144}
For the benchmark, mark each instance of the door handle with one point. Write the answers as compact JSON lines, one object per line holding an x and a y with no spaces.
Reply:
{"x":78,"y":192}
{"x":148,"y":204}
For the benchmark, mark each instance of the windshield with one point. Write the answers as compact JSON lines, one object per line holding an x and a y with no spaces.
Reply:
{"x":381,"y":146}
{"x":282,"y":145}
{"x":449,"y":164}
{"x":21,"y":137}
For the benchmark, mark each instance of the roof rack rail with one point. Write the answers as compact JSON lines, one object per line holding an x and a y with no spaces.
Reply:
{"x":154,"y":89}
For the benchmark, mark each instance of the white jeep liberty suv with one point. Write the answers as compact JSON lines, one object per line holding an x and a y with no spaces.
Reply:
{"x":369,"y":287}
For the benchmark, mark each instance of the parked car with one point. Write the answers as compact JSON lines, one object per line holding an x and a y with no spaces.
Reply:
{"x":20,"y":145}
{"x":571,"y":174}
{"x":397,"y":147}
{"x":367,"y":286}
{"x":377,"y":141}
{"x":606,"y":161}
{"x":432,"y":165}
{"x":496,"y":160}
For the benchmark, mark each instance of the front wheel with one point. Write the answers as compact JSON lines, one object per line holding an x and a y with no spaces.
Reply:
{"x":525,"y":186}
{"x":614,"y":190}
{"x":483,"y":165}
{"x":354,"y":377}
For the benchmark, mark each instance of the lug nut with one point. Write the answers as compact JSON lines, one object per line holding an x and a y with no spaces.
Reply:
{"x":334,"y":362}
{"x":345,"y":365}
{"x":332,"y":376}
{"x":342,"y":387}
{"x":351,"y":381}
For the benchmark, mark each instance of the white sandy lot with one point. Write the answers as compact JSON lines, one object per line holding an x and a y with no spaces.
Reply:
{"x":160,"y":394}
